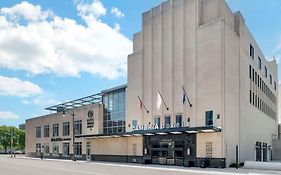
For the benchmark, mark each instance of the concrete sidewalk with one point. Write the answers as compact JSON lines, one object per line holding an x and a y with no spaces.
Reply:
{"x":210,"y":171}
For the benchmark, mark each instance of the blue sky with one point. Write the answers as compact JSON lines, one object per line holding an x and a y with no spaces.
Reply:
{"x":53,"y":51}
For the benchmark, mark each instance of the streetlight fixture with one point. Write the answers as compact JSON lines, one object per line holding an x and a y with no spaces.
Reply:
{"x":73,"y":131}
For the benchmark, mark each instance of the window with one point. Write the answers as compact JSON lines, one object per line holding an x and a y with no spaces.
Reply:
{"x":179,"y":120}
{"x":167,"y":121}
{"x":65,"y":149}
{"x":78,"y":149}
{"x":78,"y":127}
{"x":270,"y":78}
{"x":65,"y":131}
{"x":38,"y":148}
{"x":265,"y":71}
{"x":55,"y":130}
{"x":46,"y":149}
{"x":209,"y":149}
{"x":46,"y":131}
{"x":114,"y":112}
{"x":252,"y":51}
{"x":250,"y":96}
{"x":55,"y":149}
{"x":134,"y":123}
{"x":275,"y":85}
{"x":157,"y":121}
{"x":209,"y":118}
{"x":250,"y":71}
{"x":38,"y":131}
{"x":259,"y":62}
{"x":256,"y":77}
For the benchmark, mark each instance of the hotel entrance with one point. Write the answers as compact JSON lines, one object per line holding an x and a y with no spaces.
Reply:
{"x":170,"y":149}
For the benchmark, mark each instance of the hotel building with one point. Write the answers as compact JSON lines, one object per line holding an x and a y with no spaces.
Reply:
{"x":198,"y":86}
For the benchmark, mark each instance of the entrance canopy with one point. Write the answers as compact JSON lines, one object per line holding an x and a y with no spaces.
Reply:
{"x":165,"y":131}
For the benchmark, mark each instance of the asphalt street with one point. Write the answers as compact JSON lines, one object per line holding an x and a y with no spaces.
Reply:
{"x":27,"y":166}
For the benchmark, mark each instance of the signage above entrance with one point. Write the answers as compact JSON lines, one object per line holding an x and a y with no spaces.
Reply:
{"x":161,"y":126}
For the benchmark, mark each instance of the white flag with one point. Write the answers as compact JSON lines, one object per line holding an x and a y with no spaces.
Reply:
{"x":158,"y":104}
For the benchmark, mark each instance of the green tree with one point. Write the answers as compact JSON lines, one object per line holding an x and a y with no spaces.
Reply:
{"x":11,"y":136}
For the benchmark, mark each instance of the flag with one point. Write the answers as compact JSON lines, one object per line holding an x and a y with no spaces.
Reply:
{"x":183,"y":98}
{"x":158,"y":104}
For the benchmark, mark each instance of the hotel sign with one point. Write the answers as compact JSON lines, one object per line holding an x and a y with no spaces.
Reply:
{"x":161,"y":126}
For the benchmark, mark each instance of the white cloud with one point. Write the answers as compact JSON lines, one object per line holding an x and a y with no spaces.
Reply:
{"x":15,"y":87}
{"x":49,"y":44}
{"x":43,"y":100}
{"x":26,"y":11}
{"x":7,"y":115}
{"x":117,"y":27}
{"x":117,"y":12}
{"x":93,"y":10}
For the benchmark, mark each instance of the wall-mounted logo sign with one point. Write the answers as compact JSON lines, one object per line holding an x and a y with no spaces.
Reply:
{"x":90,"y":120}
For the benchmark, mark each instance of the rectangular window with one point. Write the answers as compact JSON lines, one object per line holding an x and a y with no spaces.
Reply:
{"x":256,"y":77}
{"x":46,"y":131}
{"x":270,"y":78}
{"x":275,"y":85}
{"x":38,"y":131}
{"x":65,"y":131}
{"x":252,"y":51}
{"x":167,"y":121}
{"x":134,"y":123}
{"x":55,"y":130}
{"x":259,"y":62}
{"x":209,"y":118}
{"x":38,"y":148}
{"x":250,"y":71}
{"x":179,"y":120}
{"x":65,"y":149}
{"x":78,"y":127}
{"x":265,"y":71}
{"x":55,"y":149}
{"x":46,"y":149}
{"x":250,"y":96}
{"x":157,"y":120}
{"x":78,"y":149}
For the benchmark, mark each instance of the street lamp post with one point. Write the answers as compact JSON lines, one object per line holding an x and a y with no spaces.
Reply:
{"x":73,"y":132}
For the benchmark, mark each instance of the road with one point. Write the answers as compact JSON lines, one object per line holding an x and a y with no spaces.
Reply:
{"x":26,"y":166}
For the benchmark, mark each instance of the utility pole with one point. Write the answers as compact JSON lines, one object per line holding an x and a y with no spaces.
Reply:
{"x":11,"y":142}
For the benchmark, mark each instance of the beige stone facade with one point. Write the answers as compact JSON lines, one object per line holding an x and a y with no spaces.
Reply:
{"x":201,"y":47}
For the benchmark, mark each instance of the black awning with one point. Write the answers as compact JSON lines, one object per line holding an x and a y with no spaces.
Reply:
{"x":164,"y":131}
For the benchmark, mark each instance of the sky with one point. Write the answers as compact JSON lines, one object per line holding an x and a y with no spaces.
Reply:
{"x":55,"y":51}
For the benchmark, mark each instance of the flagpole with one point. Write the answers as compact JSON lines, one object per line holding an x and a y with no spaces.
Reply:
{"x":163,"y":101}
{"x":186,"y":96}
{"x":147,"y":111}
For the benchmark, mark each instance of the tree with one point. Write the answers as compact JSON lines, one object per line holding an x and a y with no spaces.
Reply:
{"x":10,"y":135}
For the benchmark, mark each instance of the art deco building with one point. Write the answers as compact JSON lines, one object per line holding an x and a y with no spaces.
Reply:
{"x":198,"y":86}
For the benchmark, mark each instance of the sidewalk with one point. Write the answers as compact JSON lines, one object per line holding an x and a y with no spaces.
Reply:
{"x":210,"y":171}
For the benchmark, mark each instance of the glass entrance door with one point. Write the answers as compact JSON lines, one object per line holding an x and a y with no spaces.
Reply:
{"x":88,"y":151}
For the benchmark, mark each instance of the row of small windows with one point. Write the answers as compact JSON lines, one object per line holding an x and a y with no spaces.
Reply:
{"x":209,"y":121}
{"x":55,"y":152}
{"x":56,"y":133}
{"x":254,"y":76}
{"x":252,"y":55}
{"x":261,"y":105}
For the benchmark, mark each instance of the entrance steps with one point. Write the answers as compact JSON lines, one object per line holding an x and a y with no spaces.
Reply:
{"x":263,"y":165}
